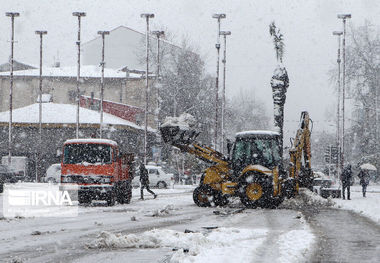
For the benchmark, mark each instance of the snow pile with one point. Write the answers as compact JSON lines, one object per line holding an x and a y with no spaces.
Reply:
{"x":213,"y":246}
{"x":164,"y":211}
{"x":185,"y":120}
{"x":306,"y":198}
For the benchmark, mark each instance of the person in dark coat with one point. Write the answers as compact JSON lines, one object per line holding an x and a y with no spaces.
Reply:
{"x":144,"y":181}
{"x":346,"y":181}
{"x":364,"y":180}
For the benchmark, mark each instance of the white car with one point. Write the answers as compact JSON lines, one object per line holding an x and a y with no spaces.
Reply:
{"x":157,"y":177}
{"x":53,"y":173}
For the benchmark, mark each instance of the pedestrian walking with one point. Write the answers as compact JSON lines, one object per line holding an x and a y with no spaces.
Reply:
{"x":364,"y":180}
{"x":144,"y":181}
{"x":346,"y":181}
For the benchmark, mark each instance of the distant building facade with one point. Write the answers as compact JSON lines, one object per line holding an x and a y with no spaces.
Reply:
{"x":60,"y":83}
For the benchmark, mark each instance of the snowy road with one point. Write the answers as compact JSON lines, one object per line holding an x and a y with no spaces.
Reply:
{"x":241,"y":236}
{"x":172,"y":229}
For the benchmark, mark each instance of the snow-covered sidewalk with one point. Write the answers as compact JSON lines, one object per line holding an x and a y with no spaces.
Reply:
{"x":367,"y":206}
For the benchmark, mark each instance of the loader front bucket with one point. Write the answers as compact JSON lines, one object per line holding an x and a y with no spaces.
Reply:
{"x":176,"y":135}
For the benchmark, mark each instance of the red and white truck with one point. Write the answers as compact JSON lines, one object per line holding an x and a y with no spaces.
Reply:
{"x":100,"y":170}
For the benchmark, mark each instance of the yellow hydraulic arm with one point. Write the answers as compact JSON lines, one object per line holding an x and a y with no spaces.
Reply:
{"x":300,"y":155}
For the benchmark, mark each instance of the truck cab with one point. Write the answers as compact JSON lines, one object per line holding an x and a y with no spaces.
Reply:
{"x":98,"y":168}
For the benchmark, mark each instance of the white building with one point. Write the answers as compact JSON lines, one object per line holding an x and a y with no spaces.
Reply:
{"x":124,"y":47}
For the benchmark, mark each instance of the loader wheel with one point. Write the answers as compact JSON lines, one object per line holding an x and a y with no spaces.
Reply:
{"x":203,"y":196}
{"x":254,"y":192}
{"x":219,"y":199}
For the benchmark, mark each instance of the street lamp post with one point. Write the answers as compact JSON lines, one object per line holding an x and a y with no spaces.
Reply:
{"x":224,"y":34}
{"x":12,"y":15}
{"x":344,"y":17}
{"x":39,"y":166}
{"x":102,"y":63}
{"x":147,"y":17}
{"x":339,"y":34}
{"x":158,"y":35}
{"x":217,"y":45}
{"x":79,"y":15}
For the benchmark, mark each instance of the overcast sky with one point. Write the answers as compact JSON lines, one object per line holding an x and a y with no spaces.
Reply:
{"x":310,"y":48}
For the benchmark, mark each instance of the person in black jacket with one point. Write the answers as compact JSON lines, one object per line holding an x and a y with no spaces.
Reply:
{"x":144,"y":181}
{"x":364,"y":180}
{"x":346,"y":181}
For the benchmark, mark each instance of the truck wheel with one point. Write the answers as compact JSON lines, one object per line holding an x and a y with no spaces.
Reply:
{"x":203,"y":195}
{"x":83,"y":199}
{"x":111,"y":199}
{"x":128,"y":194}
{"x":254,"y":191}
{"x":161,"y":185}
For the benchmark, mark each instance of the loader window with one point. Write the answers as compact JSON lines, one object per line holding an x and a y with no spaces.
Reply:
{"x":263,"y":151}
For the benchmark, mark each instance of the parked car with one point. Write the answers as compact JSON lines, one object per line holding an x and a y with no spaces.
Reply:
{"x":157,"y":177}
{"x":324,"y":187}
{"x":319,"y":183}
{"x":53,"y":174}
{"x":7,"y":175}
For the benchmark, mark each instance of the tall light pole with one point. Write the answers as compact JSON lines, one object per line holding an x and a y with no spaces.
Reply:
{"x":224,"y":34}
{"x":79,"y":15}
{"x":344,"y":17}
{"x":217,"y":45}
{"x":39,"y":166}
{"x":147,"y":17}
{"x":339,"y":34}
{"x":12,"y":15}
{"x":102,"y":63}
{"x":158,"y":35}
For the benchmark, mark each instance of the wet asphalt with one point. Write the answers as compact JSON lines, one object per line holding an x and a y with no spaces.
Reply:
{"x":344,"y":236}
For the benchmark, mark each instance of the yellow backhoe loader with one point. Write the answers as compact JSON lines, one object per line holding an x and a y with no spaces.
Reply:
{"x":252,"y":170}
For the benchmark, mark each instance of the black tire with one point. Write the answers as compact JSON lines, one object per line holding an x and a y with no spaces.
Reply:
{"x":1,"y":187}
{"x":83,"y":199}
{"x":162,"y":185}
{"x":111,"y":199}
{"x":219,"y":199}
{"x":128,"y":194}
{"x":255,"y":190}
{"x":203,"y":196}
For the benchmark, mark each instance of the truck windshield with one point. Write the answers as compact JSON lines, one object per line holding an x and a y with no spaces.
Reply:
{"x":87,"y":153}
{"x":263,"y":151}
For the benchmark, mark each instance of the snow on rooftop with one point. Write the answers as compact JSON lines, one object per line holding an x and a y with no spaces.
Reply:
{"x":63,"y":114}
{"x":92,"y":140}
{"x":86,"y":71}
{"x":256,"y":132}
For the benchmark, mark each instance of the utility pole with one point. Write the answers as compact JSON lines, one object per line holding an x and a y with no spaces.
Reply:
{"x":102,"y":63}
{"x":39,"y":165}
{"x":224,"y":34}
{"x":344,"y":17}
{"x":339,"y":34}
{"x":147,"y":17}
{"x":79,"y":15}
{"x":217,"y":45}
{"x":12,"y":15}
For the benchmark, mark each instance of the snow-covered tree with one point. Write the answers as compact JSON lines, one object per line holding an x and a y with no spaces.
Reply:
{"x":279,"y":81}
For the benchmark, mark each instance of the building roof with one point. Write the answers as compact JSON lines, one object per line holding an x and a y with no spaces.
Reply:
{"x":86,"y":71}
{"x":16,"y":66}
{"x":63,"y":114}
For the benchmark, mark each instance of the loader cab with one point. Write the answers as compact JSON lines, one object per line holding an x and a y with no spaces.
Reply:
{"x":255,"y":148}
